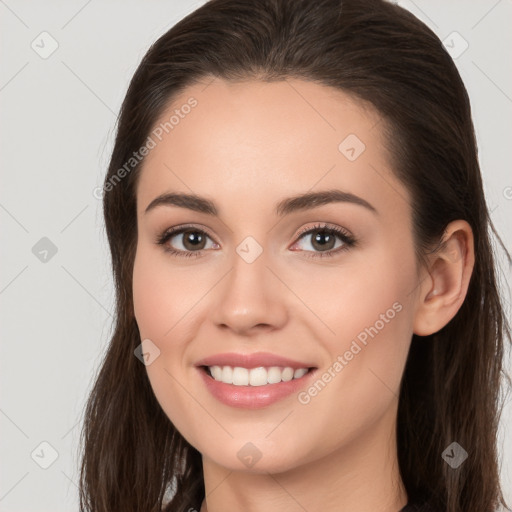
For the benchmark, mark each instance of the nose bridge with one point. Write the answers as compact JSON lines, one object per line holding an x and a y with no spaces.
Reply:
{"x":250,"y":293}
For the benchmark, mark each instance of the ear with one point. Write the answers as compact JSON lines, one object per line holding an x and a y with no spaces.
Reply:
{"x":445,"y":282}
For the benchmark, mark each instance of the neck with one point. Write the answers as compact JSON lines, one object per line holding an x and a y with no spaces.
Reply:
{"x":360,"y":476}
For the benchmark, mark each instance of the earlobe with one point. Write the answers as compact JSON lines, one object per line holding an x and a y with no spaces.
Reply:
{"x":444,"y":288}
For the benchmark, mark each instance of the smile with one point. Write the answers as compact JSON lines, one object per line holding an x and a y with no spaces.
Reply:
{"x":242,"y":394}
{"x":260,"y":376}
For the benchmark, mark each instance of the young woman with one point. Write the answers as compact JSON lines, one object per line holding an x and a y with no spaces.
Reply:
{"x":308,"y":315}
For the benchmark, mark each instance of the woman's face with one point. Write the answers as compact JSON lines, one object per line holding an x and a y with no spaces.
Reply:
{"x":253,"y":278}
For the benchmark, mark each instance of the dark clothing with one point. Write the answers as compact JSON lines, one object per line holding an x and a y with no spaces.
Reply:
{"x":413,"y":507}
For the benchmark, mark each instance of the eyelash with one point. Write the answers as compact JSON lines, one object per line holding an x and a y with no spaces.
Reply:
{"x":347,"y":239}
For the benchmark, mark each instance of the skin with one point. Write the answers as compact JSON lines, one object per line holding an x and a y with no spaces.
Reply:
{"x":246,"y":146}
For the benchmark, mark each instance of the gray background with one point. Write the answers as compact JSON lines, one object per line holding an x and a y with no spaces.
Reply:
{"x":58,"y":116}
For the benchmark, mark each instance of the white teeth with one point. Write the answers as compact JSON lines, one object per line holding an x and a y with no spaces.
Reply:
{"x":227,"y":375}
{"x":287,"y":374}
{"x":216,"y":372}
{"x":260,"y":376}
{"x":299,"y":373}
{"x":240,"y":376}
{"x":257,"y":376}
{"x":274,"y":375}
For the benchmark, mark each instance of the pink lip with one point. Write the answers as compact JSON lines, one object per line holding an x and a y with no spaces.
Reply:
{"x":252,"y":361}
{"x":254,"y":397}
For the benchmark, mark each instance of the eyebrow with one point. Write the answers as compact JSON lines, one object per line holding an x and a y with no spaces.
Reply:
{"x":284,"y":207}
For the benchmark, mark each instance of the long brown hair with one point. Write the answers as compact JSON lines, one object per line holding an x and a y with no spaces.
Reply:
{"x":133,"y":457}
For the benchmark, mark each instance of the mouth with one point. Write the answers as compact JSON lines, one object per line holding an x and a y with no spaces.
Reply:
{"x":254,"y":380}
{"x":256,"y":387}
{"x":259,"y":376}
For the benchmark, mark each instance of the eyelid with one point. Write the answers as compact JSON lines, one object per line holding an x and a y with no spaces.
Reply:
{"x":326,"y":226}
{"x":178,"y":229}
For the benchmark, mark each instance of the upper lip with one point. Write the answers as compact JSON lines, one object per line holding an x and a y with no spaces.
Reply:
{"x":251,"y":360}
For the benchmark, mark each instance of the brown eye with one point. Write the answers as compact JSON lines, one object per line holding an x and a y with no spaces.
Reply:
{"x":323,"y":240}
{"x":193,"y":239}
{"x":186,"y":241}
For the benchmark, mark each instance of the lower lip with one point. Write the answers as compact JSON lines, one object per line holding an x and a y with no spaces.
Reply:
{"x":253,"y":397}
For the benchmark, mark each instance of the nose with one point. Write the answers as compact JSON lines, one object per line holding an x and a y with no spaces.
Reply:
{"x":252,"y":299}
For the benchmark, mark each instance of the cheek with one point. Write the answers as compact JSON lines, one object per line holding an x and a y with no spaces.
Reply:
{"x":160,"y":294}
{"x":158,"y":308}
{"x":370,"y":312}
{"x":363,"y":293}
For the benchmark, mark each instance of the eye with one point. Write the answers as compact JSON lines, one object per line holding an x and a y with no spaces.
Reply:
{"x":192,"y":241}
{"x":324,"y":240}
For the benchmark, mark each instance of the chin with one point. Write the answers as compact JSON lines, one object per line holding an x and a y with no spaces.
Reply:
{"x":254,"y":458}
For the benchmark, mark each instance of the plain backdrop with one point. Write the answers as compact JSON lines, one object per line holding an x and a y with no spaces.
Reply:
{"x":65,"y":69}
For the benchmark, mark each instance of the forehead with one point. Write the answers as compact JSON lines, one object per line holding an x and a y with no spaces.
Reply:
{"x":255,"y":142}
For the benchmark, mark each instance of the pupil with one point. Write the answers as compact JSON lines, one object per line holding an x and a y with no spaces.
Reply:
{"x":193,"y":238}
{"x":327,"y":237}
